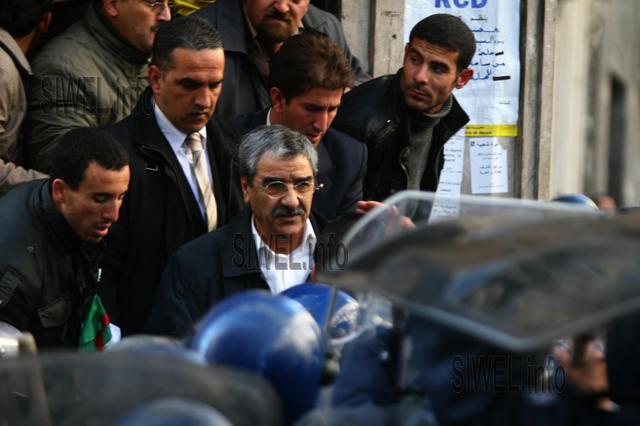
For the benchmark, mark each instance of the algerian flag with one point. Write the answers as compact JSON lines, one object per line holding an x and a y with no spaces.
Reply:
{"x":95,"y":332}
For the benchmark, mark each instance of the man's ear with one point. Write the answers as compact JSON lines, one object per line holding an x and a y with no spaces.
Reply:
{"x":43,"y":26}
{"x":244,"y":184}
{"x":277,"y":100}
{"x":463,"y":78}
{"x":155,"y":75}
{"x":110,"y":8}
{"x":59,"y":193}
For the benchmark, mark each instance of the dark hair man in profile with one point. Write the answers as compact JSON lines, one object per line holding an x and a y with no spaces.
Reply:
{"x":405,"y":119}
{"x":51,"y":234}
{"x":184,"y":179}
{"x":253,"y":31}
{"x":308,"y":76}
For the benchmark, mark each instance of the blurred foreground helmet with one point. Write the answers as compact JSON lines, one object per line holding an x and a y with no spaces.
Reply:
{"x":579,"y":199}
{"x":271,"y":335}
{"x":334,"y":310}
{"x":156,"y":346}
{"x":175,"y":412}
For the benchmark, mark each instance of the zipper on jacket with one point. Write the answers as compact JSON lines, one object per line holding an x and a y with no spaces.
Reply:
{"x":404,"y":159}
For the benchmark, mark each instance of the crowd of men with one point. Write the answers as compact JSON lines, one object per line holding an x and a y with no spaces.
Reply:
{"x":152,"y":164}
{"x":226,"y":119}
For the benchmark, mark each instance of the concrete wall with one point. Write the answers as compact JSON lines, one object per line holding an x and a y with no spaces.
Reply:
{"x":571,"y":69}
{"x":596,"y":142}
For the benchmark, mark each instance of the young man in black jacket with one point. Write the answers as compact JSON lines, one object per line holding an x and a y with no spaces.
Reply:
{"x":405,"y":119}
{"x":51,"y":237}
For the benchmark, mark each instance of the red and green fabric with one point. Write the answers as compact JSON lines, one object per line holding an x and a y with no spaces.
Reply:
{"x":95,"y":332}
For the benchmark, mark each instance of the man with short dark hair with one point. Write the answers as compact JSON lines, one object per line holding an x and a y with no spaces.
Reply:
{"x":405,"y":119}
{"x":308,"y":76}
{"x":92,"y":74}
{"x":269,"y":245}
{"x":50,"y":244}
{"x":184,"y":179}
{"x":253,"y":31}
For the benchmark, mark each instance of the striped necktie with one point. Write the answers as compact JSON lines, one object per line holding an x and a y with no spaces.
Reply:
{"x":199,"y":168}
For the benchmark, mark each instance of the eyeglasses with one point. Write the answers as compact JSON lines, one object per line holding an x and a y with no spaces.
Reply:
{"x":158,"y":6}
{"x":277,"y":189}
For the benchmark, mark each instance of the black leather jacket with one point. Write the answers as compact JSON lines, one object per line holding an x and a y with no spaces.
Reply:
{"x":47,"y":274}
{"x":375,"y":113}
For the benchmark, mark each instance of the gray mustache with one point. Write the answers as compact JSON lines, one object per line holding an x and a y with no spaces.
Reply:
{"x":286,"y":211}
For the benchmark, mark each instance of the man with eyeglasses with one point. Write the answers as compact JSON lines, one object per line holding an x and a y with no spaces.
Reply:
{"x":269,"y":245}
{"x":92,"y":74}
{"x":308,"y":76}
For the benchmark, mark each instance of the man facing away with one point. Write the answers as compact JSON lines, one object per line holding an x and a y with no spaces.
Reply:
{"x":405,"y":119}
{"x":184,"y":178}
{"x":253,"y":31}
{"x":51,"y":239}
{"x":21,"y":23}
{"x":269,"y":245}
{"x":92,"y":74}
{"x":308,"y":76}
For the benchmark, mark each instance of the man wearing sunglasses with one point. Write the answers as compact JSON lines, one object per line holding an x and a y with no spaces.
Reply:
{"x":92,"y":74}
{"x":270,"y":245}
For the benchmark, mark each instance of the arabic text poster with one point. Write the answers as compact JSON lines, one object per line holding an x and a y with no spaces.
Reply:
{"x":489,"y":166}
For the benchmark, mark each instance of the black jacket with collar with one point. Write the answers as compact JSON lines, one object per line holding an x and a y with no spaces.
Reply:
{"x":47,"y":274}
{"x":244,"y":90}
{"x":160,"y":212}
{"x":205,"y":271}
{"x":375,"y":113}
{"x":342,"y":163}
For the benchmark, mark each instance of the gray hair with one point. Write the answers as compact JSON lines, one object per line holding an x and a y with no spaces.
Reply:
{"x":280,"y":141}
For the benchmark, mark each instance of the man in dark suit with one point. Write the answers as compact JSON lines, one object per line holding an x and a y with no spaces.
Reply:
{"x":252,"y":32}
{"x":270,"y":245}
{"x":308,"y":76}
{"x":184,"y":179}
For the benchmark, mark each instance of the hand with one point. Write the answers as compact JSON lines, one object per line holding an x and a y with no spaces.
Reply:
{"x":591,"y":376}
{"x":363,"y":207}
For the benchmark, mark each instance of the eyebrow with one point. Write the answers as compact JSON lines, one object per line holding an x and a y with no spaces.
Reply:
{"x":269,"y":179}
{"x":193,"y":82}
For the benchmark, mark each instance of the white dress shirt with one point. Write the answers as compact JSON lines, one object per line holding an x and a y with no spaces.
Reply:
{"x":177,"y":140}
{"x":282,"y":271}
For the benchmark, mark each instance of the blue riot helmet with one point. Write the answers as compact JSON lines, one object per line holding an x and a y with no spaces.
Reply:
{"x":334,"y":310}
{"x":156,"y":346}
{"x":577,"y":199}
{"x":273,"y":336}
{"x":175,"y":412}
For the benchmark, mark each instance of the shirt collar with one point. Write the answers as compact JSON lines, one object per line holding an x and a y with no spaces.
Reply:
{"x":14,"y":51}
{"x":175,"y":136}
{"x":309,"y":238}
